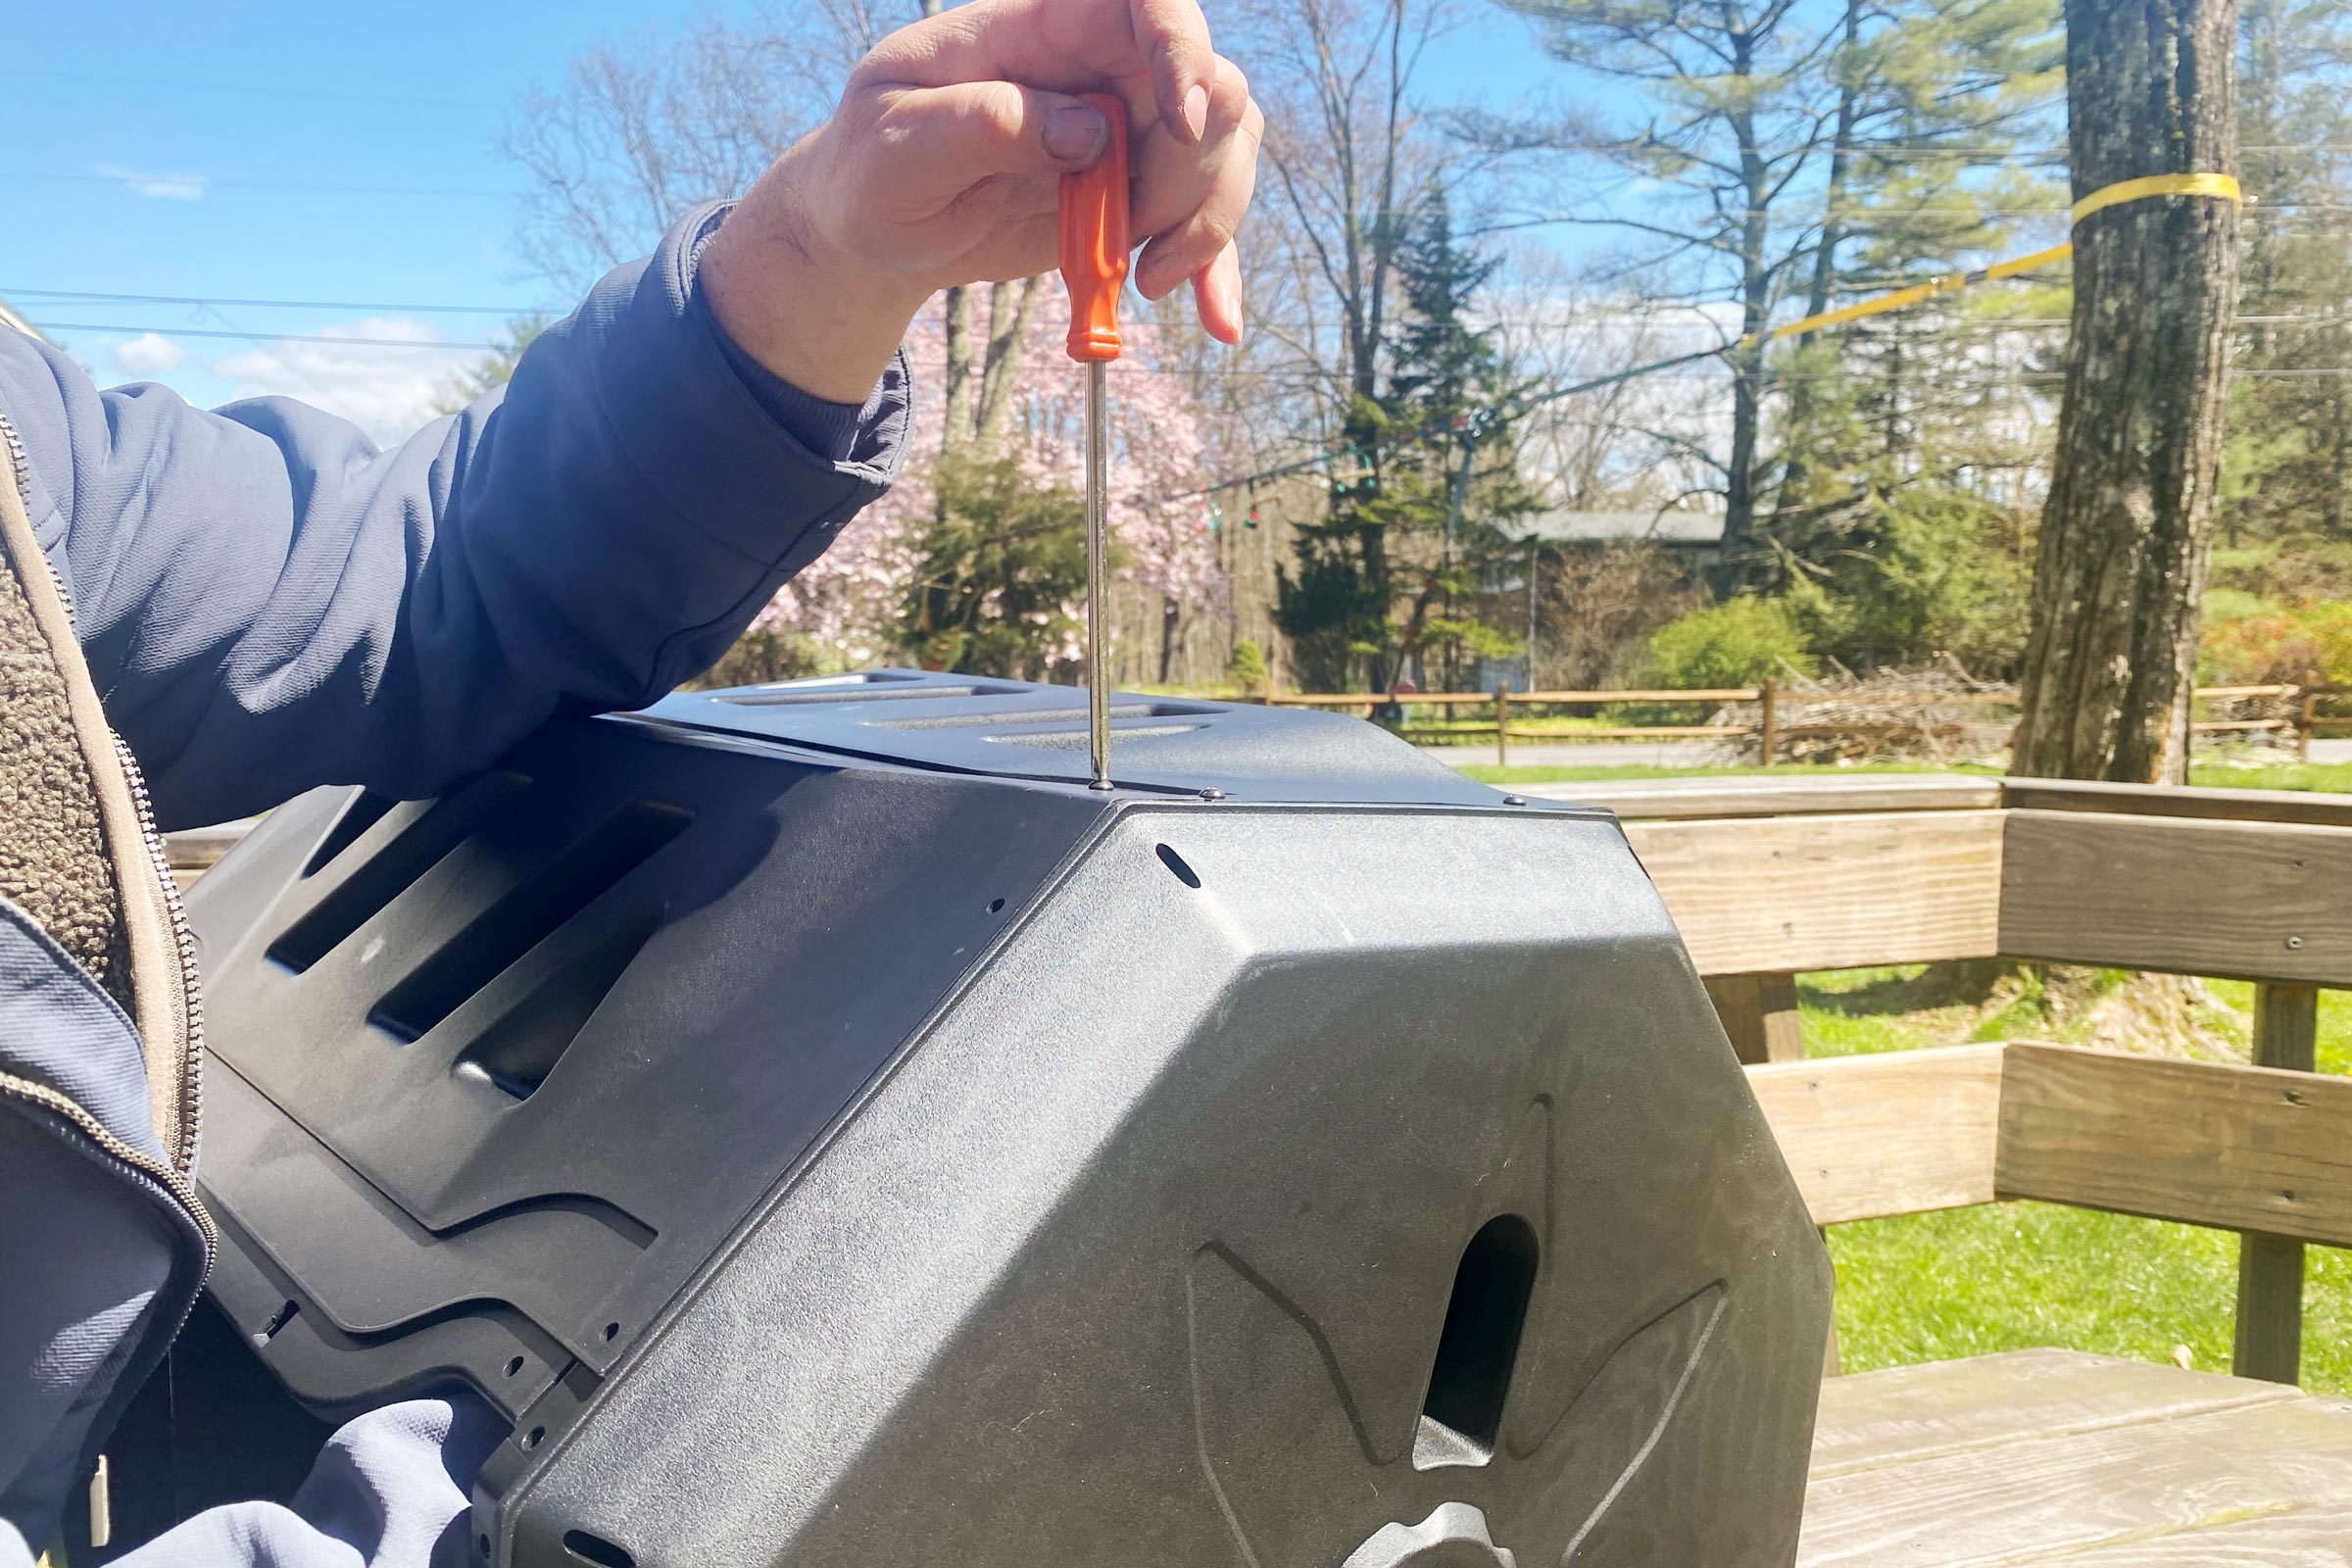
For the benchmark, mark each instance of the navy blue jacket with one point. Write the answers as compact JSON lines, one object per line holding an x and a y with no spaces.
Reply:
{"x":267,"y":602}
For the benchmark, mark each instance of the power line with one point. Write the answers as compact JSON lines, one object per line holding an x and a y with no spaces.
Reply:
{"x":93,"y":297}
{"x":206,"y":182}
{"x":272,"y":337}
{"x":248,"y":89}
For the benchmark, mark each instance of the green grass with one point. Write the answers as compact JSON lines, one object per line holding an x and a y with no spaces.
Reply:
{"x":2333,"y":777}
{"x":1967,"y":1281}
{"x":1487,"y":773}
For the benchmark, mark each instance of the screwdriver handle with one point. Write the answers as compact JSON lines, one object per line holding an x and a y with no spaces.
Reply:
{"x":1094,"y":240}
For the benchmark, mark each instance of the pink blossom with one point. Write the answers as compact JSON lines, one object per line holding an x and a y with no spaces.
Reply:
{"x":847,"y":601}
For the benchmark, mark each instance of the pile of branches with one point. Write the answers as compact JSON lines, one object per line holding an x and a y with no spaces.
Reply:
{"x":1940,"y":714}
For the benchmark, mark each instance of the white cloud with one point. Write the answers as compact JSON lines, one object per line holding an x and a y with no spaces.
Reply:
{"x":386,"y":391}
{"x":148,"y":354}
{"x":168,"y":187}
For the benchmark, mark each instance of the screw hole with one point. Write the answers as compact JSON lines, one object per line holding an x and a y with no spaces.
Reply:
{"x":482,"y":1545}
{"x":1175,"y":862}
{"x":995,"y":905}
{"x":513,"y":1366}
{"x":612,"y":1331}
{"x":530,"y":1438}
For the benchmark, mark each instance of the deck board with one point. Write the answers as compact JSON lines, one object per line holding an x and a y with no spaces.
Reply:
{"x":2050,"y":1456}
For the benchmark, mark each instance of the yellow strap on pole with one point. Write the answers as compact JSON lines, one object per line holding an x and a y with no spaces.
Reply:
{"x":2221,"y":188}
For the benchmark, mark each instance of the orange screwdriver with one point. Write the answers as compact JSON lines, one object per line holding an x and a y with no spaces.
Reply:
{"x":1094,"y":268}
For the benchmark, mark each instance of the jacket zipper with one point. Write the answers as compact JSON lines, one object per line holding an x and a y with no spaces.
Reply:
{"x":175,"y":1173}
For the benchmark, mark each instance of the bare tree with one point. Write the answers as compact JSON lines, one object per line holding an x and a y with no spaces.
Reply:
{"x":640,"y":132}
{"x":2128,"y":530}
{"x":1344,"y":150}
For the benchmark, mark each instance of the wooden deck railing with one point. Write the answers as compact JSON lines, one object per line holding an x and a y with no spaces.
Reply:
{"x":1766,"y":878}
{"x":1510,"y":718}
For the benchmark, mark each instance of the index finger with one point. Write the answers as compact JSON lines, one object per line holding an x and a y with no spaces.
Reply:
{"x":1062,"y":45}
{"x":1173,"y":36}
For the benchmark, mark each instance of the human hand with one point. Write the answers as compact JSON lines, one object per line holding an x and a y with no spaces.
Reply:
{"x":941,"y":165}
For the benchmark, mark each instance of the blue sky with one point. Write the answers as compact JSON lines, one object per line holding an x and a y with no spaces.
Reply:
{"x":324,"y":152}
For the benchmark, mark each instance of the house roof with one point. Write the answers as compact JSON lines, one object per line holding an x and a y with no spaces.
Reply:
{"x":1672,"y":527}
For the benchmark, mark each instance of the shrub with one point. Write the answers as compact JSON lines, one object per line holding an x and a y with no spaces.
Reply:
{"x":1247,"y":668}
{"x":1737,"y":643}
{"x":758,"y":657}
{"x":2247,"y":640}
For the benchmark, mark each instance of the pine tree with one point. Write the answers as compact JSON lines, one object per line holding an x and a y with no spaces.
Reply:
{"x":1388,"y":580}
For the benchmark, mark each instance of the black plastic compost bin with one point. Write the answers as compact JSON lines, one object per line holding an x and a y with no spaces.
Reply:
{"x":833,"y":1134}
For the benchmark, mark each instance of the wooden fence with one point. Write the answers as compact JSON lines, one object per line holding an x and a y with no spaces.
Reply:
{"x":1510,"y":717}
{"x":1768,"y":878}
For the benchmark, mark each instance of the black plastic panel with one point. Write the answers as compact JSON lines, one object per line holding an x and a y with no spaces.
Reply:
{"x":831,"y":1143}
{"x":1017,"y":730}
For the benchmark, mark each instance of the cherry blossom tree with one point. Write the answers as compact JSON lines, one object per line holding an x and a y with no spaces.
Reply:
{"x":1164,"y":441}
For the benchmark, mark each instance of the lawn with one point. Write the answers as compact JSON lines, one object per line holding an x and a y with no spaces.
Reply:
{"x":1928,"y":1287}
{"x":2324,"y":776}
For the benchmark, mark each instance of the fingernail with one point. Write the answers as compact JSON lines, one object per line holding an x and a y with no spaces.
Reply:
{"x":1196,"y":112}
{"x":1076,"y":133}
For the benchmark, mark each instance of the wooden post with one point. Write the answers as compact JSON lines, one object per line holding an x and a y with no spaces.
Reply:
{"x":1768,"y":732}
{"x":1502,"y":724}
{"x":2268,"y":1342}
{"x":2310,"y":716}
{"x":1759,"y":1014}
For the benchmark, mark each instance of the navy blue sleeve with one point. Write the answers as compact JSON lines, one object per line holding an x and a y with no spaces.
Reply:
{"x":269,"y":601}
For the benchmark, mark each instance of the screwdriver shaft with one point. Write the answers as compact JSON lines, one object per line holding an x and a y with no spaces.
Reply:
{"x":1097,"y":566}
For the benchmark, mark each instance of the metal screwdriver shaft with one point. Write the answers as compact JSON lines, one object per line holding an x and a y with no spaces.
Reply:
{"x":1094,"y":267}
{"x":1098,"y":567}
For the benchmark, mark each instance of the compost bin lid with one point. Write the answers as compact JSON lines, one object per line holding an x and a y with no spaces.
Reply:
{"x":978,"y":724}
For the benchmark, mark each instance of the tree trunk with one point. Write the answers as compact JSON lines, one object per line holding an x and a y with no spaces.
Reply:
{"x":1747,"y":363}
{"x":2127,"y":529}
{"x":1825,"y":252}
{"x":958,"y":302}
{"x":1010,"y":308}
{"x":1170,"y":614}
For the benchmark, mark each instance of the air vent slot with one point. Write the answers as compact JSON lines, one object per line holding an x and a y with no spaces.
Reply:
{"x":1001,"y":718}
{"x":795,"y":699}
{"x":1078,"y":740}
{"x":596,"y":1549}
{"x":517,"y":1052}
{"x":364,"y":810}
{"x":1472,"y":1375}
{"x":528,"y":914}
{"x":392,"y":871}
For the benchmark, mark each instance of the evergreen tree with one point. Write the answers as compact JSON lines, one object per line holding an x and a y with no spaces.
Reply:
{"x":2288,"y":466}
{"x":1387,"y":582}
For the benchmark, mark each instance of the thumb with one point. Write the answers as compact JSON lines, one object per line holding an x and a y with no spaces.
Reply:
{"x":965,"y":133}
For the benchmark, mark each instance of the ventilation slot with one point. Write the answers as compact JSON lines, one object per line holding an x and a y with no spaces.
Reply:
{"x":596,"y":1549}
{"x":798,"y":698}
{"x":527,"y":915}
{"x":517,"y":1052}
{"x":1178,"y":864}
{"x":999,"y":718}
{"x":1463,"y":1412}
{"x":364,"y":810}
{"x":392,"y":871}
